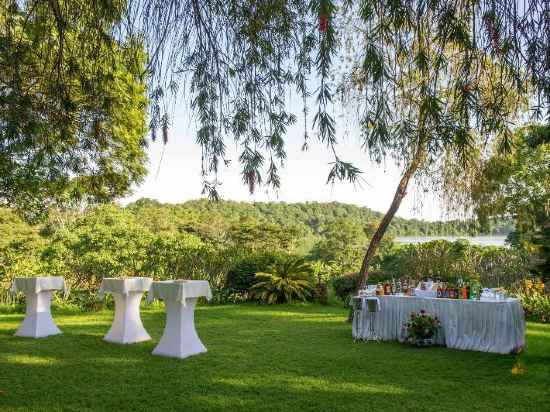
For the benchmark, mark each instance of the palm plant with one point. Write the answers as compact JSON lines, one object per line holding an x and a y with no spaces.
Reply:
{"x":285,"y":281}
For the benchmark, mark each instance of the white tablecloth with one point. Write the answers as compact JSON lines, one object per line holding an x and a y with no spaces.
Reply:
{"x":180,"y":338}
{"x":127,"y":292}
{"x":38,"y":292}
{"x":124,"y":285}
{"x":38,"y":284}
{"x":179,"y":290}
{"x":486,"y":326}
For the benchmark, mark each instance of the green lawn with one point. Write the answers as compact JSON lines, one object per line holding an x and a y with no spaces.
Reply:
{"x":281,"y":358}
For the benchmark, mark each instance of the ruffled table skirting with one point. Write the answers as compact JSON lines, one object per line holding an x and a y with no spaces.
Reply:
{"x":486,"y":326}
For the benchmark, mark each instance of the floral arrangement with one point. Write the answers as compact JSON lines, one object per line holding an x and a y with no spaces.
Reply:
{"x":421,"y":326}
{"x":534,"y":298}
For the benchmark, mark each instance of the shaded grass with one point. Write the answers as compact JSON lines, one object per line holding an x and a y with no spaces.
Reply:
{"x":281,"y":358}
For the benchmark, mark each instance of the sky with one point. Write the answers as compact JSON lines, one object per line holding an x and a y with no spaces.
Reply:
{"x":175,"y":176}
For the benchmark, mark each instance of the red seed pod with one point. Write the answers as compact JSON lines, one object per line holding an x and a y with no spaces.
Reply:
{"x":323,"y":24}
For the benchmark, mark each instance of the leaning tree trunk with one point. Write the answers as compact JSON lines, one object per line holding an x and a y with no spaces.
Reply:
{"x":416,"y":161}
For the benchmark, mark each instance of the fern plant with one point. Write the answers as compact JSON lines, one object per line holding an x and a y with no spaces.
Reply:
{"x":285,"y":281}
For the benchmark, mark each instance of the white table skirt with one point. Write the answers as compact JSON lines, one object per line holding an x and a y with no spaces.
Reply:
{"x":124,"y":285}
{"x":38,"y":322}
{"x":179,"y":290}
{"x":180,"y":339}
{"x":486,"y":326}
{"x":38,"y":284}
{"x":127,"y":292}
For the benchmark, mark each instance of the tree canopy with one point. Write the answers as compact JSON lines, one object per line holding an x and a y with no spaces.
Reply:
{"x":237,"y":63}
{"x":433,"y":82}
{"x":517,"y":185}
{"x":72,"y":111}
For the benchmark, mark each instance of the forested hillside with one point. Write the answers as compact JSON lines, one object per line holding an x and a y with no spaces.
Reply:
{"x":228,"y":243}
{"x":309,"y":216}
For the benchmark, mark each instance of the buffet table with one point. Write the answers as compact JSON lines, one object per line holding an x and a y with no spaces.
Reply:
{"x":488,"y":326}
{"x":38,"y":322}
{"x":180,"y":338}
{"x":127,"y":292}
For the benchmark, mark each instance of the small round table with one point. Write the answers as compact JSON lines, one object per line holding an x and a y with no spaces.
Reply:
{"x":38,"y":322}
{"x":180,"y":339}
{"x":127,"y":292}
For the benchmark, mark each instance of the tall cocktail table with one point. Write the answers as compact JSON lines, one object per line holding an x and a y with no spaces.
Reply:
{"x":180,"y":338}
{"x":38,"y":322}
{"x":127,"y":292}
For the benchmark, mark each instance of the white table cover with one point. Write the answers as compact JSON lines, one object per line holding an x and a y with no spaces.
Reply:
{"x":127,"y":292}
{"x":38,"y":322}
{"x":180,"y":338}
{"x":124,"y":285}
{"x":38,"y":284}
{"x":486,"y":326}
{"x":179,"y":290}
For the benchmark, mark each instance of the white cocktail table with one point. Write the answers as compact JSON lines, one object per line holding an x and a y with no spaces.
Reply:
{"x":38,"y":291}
{"x":180,"y":338}
{"x":127,"y":292}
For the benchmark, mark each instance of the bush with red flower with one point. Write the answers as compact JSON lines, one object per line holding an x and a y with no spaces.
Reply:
{"x":421,"y":326}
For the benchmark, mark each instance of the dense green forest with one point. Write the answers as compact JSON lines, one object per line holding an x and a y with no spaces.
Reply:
{"x":309,"y":217}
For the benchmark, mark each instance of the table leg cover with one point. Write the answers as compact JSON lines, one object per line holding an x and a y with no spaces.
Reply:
{"x":180,"y":338}
{"x":127,"y":326}
{"x":497,"y":327}
{"x":38,"y":322}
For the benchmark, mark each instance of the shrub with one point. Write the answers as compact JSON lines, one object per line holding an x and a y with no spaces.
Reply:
{"x":536,"y":303}
{"x":321,"y":293}
{"x":346,"y":285}
{"x":224,"y":295}
{"x":286,"y":281}
{"x":242,"y":276}
{"x":448,"y":261}
{"x":84,"y":299}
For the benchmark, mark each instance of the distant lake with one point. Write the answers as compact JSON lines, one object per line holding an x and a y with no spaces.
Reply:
{"x":476,"y":240}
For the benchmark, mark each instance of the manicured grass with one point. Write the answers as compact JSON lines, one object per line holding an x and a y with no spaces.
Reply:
{"x":281,"y":358}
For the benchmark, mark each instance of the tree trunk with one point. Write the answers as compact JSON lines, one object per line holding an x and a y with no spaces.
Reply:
{"x":417,"y":160}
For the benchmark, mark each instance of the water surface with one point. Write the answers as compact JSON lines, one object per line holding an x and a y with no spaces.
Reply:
{"x":476,"y":240}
